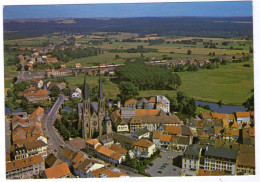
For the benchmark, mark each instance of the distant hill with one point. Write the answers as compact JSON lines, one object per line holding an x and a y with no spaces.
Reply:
{"x":186,"y":26}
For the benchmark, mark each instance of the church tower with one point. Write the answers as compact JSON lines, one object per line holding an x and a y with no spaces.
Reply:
{"x":107,"y":125}
{"x":101,"y":108}
{"x":86,"y":113}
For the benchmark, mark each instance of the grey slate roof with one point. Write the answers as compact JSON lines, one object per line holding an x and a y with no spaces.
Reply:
{"x":141,"y":132}
{"x":185,"y":131}
{"x":184,"y":140}
{"x":221,"y":153}
{"x":192,"y":151}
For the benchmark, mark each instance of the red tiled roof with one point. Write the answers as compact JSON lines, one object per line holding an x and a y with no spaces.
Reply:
{"x":161,"y":103}
{"x":156,"y":135}
{"x":165,"y":138}
{"x":57,"y":171}
{"x":242,"y":114}
{"x":143,"y":143}
{"x":108,"y":172}
{"x":173,"y":130}
{"x":152,"y":99}
{"x":24,"y":162}
{"x":146,"y":112}
{"x":131,"y":101}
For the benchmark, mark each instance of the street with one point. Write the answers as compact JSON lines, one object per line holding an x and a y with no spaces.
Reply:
{"x":166,"y":160}
{"x":54,"y":140}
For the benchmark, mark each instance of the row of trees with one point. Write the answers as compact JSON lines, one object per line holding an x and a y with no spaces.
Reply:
{"x":148,"y":77}
{"x":69,"y":54}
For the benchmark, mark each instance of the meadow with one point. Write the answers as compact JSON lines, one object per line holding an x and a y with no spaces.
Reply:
{"x":230,"y":84}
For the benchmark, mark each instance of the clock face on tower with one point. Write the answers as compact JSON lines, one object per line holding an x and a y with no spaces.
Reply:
{"x":94,"y":123}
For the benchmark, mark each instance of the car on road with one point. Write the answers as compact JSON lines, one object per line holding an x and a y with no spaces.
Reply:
{"x":159,"y":171}
{"x":151,"y":164}
{"x":175,"y":169}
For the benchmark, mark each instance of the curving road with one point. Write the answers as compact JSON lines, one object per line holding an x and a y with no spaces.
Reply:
{"x":54,"y":140}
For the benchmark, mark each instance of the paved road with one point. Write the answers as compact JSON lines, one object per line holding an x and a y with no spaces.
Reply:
{"x":168,"y":170}
{"x":54,"y":140}
{"x":7,"y":135}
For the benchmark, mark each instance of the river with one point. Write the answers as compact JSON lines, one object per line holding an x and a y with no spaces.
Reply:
{"x":222,"y":108}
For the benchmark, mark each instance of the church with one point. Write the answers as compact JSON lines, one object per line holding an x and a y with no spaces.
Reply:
{"x":93,"y":119}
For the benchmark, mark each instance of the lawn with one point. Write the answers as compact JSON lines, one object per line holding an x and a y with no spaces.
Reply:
{"x":110,"y":89}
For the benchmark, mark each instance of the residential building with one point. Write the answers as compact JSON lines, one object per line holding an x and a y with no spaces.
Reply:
{"x":221,"y":159}
{"x":143,"y":148}
{"x":242,"y":118}
{"x":36,"y":147}
{"x":52,"y":160}
{"x":58,"y":171}
{"x":142,"y":133}
{"x":156,"y":136}
{"x":108,"y":173}
{"x":84,"y":169}
{"x":191,"y":160}
{"x":70,"y":156}
{"x":152,"y":120}
{"x":24,"y":168}
{"x":77,"y":65}
{"x":76,"y":92}
{"x":245,"y":164}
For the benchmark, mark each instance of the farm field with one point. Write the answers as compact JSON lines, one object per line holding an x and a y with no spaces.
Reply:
{"x":230,"y":83}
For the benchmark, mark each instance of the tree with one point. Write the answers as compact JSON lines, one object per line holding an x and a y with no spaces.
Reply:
{"x":189,"y":52}
{"x":127,"y":90}
{"x":249,"y":103}
{"x":54,"y":91}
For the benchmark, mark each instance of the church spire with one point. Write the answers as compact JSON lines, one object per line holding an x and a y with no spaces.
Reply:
{"x":85,"y":94}
{"x":100,"y":88}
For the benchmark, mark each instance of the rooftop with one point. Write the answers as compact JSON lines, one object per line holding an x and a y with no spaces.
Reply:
{"x":58,"y":171}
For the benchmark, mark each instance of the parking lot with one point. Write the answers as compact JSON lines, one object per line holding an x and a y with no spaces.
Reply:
{"x":163,"y":166}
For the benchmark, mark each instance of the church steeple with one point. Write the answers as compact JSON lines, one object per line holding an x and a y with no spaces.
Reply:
{"x":100,"y":88}
{"x":85,"y":94}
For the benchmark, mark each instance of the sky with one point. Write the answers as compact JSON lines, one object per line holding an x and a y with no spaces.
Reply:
{"x":201,"y":9}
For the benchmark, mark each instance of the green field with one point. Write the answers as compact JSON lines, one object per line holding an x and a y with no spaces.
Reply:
{"x":110,"y":89}
{"x":230,"y":83}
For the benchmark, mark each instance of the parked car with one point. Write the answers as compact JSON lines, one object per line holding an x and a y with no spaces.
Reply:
{"x":175,"y":169}
{"x":151,"y":164}
{"x":159,"y":171}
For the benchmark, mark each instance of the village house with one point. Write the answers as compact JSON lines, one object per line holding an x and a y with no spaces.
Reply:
{"x":142,"y":133}
{"x":63,"y":66}
{"x":24,"y":168}
{"x":70,"y":156}
{"x":242,"y":118}
{"x":58,"y":171}
{"x":152,"y":119}
{"x":84,"y":168}
{"x":108,"y":173}
{"x":77,"y":65}
{"x":37,"y":83}
{"x":76,"y":92}
{"x":143,"y":148}
{"x":34,"y":95}
{"x":51,"y":160}
{"x":97,"y":150}
{"x":191,"y":160}
{"x":245,"y":164}
{"x":52,"y":60}
{"x":220,"y":159}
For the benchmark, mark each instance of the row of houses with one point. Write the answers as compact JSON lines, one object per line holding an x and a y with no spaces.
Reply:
{"x":197,"y":160}
{"x":194,"y":61}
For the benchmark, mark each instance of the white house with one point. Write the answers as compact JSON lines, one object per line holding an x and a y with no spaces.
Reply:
{"x":76,"y":92}
{"x":165,"y":101}
{"x":191,"y":160}
{"x":83,"y":170}
{"x":163,"y":106}
{"x":242,"y":117}
{"x":143,"y":148}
